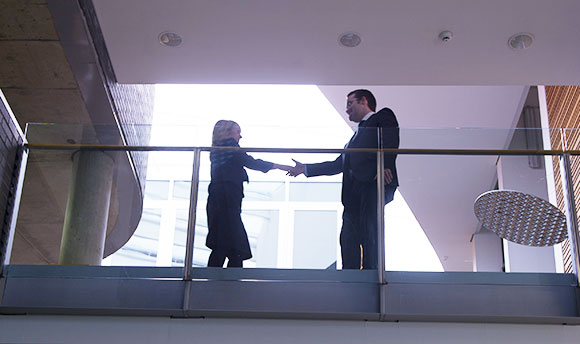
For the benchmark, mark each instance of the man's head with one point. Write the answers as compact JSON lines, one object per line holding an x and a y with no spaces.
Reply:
{"x":359,"y":103}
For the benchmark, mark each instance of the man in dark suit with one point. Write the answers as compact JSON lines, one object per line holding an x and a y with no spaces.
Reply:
{"x":358,"y":236}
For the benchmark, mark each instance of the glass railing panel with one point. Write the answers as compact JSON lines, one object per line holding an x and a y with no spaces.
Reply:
{"x":477,"y":138}
{"x":160,"y":238}
{"x":165,"y":199}
{"x":295,"y":223}
{"x":138,"y":231}
{"x":570,"y":137}
{"x":93,"y":134}
{"x":142,"y":247}
{"x":450,"y":138}
{"x":440,"y":192}
{"x":330,"y":137}
{"x":38,"y":232}
{"x":278,"y":213}
{"x":567,"y":247}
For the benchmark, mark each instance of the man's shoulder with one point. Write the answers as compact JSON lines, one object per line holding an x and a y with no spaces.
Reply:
{"x":385,"y":116}
{"x":385,"y":112}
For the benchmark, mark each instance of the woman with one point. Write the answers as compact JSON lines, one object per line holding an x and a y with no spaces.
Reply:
{"x":227,"y":236}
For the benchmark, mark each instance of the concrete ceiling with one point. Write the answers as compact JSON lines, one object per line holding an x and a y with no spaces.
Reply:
{"x":296,"y":42}
{"x":41,"y":87}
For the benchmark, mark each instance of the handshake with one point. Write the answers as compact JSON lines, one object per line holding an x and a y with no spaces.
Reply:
{"x":293,"y":171}
{"x":297,"y":170}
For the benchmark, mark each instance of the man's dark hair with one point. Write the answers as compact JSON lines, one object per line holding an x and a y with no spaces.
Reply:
{"x":358,"y":94}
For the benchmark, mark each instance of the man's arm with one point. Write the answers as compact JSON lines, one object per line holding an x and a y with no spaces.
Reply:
{"x":390,"y":129}
{"x":390,"y":139}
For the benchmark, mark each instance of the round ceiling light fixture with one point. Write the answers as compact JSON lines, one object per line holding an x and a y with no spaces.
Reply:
{"x":445,"y":36}
{"x":521,"y":41}
{"x":349,"y":39}
{"x":170,"y":39}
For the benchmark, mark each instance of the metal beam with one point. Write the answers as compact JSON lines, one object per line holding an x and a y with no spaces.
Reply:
{"x":294,"y":294}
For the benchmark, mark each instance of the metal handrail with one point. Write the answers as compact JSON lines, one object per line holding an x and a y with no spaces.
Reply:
{"x":410,"y":151}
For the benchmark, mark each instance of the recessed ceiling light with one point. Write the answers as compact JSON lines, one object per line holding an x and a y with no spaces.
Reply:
{"x":445,"y":36}
{"x":349,"y":39}
{"x":170,"y":39}
{"x":521,"y":41}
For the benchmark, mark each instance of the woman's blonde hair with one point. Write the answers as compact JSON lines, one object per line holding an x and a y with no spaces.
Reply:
{"x":222,"y":130}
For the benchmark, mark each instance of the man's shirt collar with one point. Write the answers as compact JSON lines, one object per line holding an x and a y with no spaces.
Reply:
{"x":367,"y":116}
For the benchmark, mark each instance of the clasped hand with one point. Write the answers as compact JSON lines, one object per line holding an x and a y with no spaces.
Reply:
{"x":297,"y":170}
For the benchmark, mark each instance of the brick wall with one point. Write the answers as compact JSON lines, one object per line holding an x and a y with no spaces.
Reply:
{"x":132,"y":104}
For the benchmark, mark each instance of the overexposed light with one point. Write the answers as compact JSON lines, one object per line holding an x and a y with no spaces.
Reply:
{"x":406,"y":245}
{"x":278,"y":116}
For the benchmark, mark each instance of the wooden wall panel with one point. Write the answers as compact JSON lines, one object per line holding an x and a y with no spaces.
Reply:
{"x":564,"y":112}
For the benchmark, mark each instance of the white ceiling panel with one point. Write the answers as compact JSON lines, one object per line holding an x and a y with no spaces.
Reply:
{"x":296,"y":42}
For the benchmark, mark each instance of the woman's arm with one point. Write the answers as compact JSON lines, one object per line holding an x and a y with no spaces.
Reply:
{"x":261,"y":165}
{"x":281,"y":167}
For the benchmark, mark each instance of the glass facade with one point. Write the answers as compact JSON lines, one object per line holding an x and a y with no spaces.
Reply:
{"x":269,"y":209}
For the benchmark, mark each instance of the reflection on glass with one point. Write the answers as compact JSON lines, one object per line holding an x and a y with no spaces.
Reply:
{"x":264,"y":191}
{"x":441,"y":190}
{"x":278,"y":210}
{"x":181,"y":189}
{"x":567,"y":250}
{"x":179,"y":238}
{"x":142,"y":248}
{"x":314,"y":191}
{"x":262,"y":229}
{"x":315,"y":238}
{"x":157,"y":189}
{"x":200,"y":251}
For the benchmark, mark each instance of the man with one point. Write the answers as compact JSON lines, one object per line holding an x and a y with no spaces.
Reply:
{"x":358,"y":236}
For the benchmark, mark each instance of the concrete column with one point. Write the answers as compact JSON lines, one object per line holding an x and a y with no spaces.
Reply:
{"x":487,"y":252}
{"x":87,"y":210}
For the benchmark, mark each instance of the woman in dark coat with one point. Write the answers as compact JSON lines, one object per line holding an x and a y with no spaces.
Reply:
{"x":227,"y":236}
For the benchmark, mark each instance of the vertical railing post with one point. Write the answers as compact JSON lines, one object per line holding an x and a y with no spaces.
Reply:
{"x":381,"y":216}
{"x":381,"y":220}
{"x":192,"y":215}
